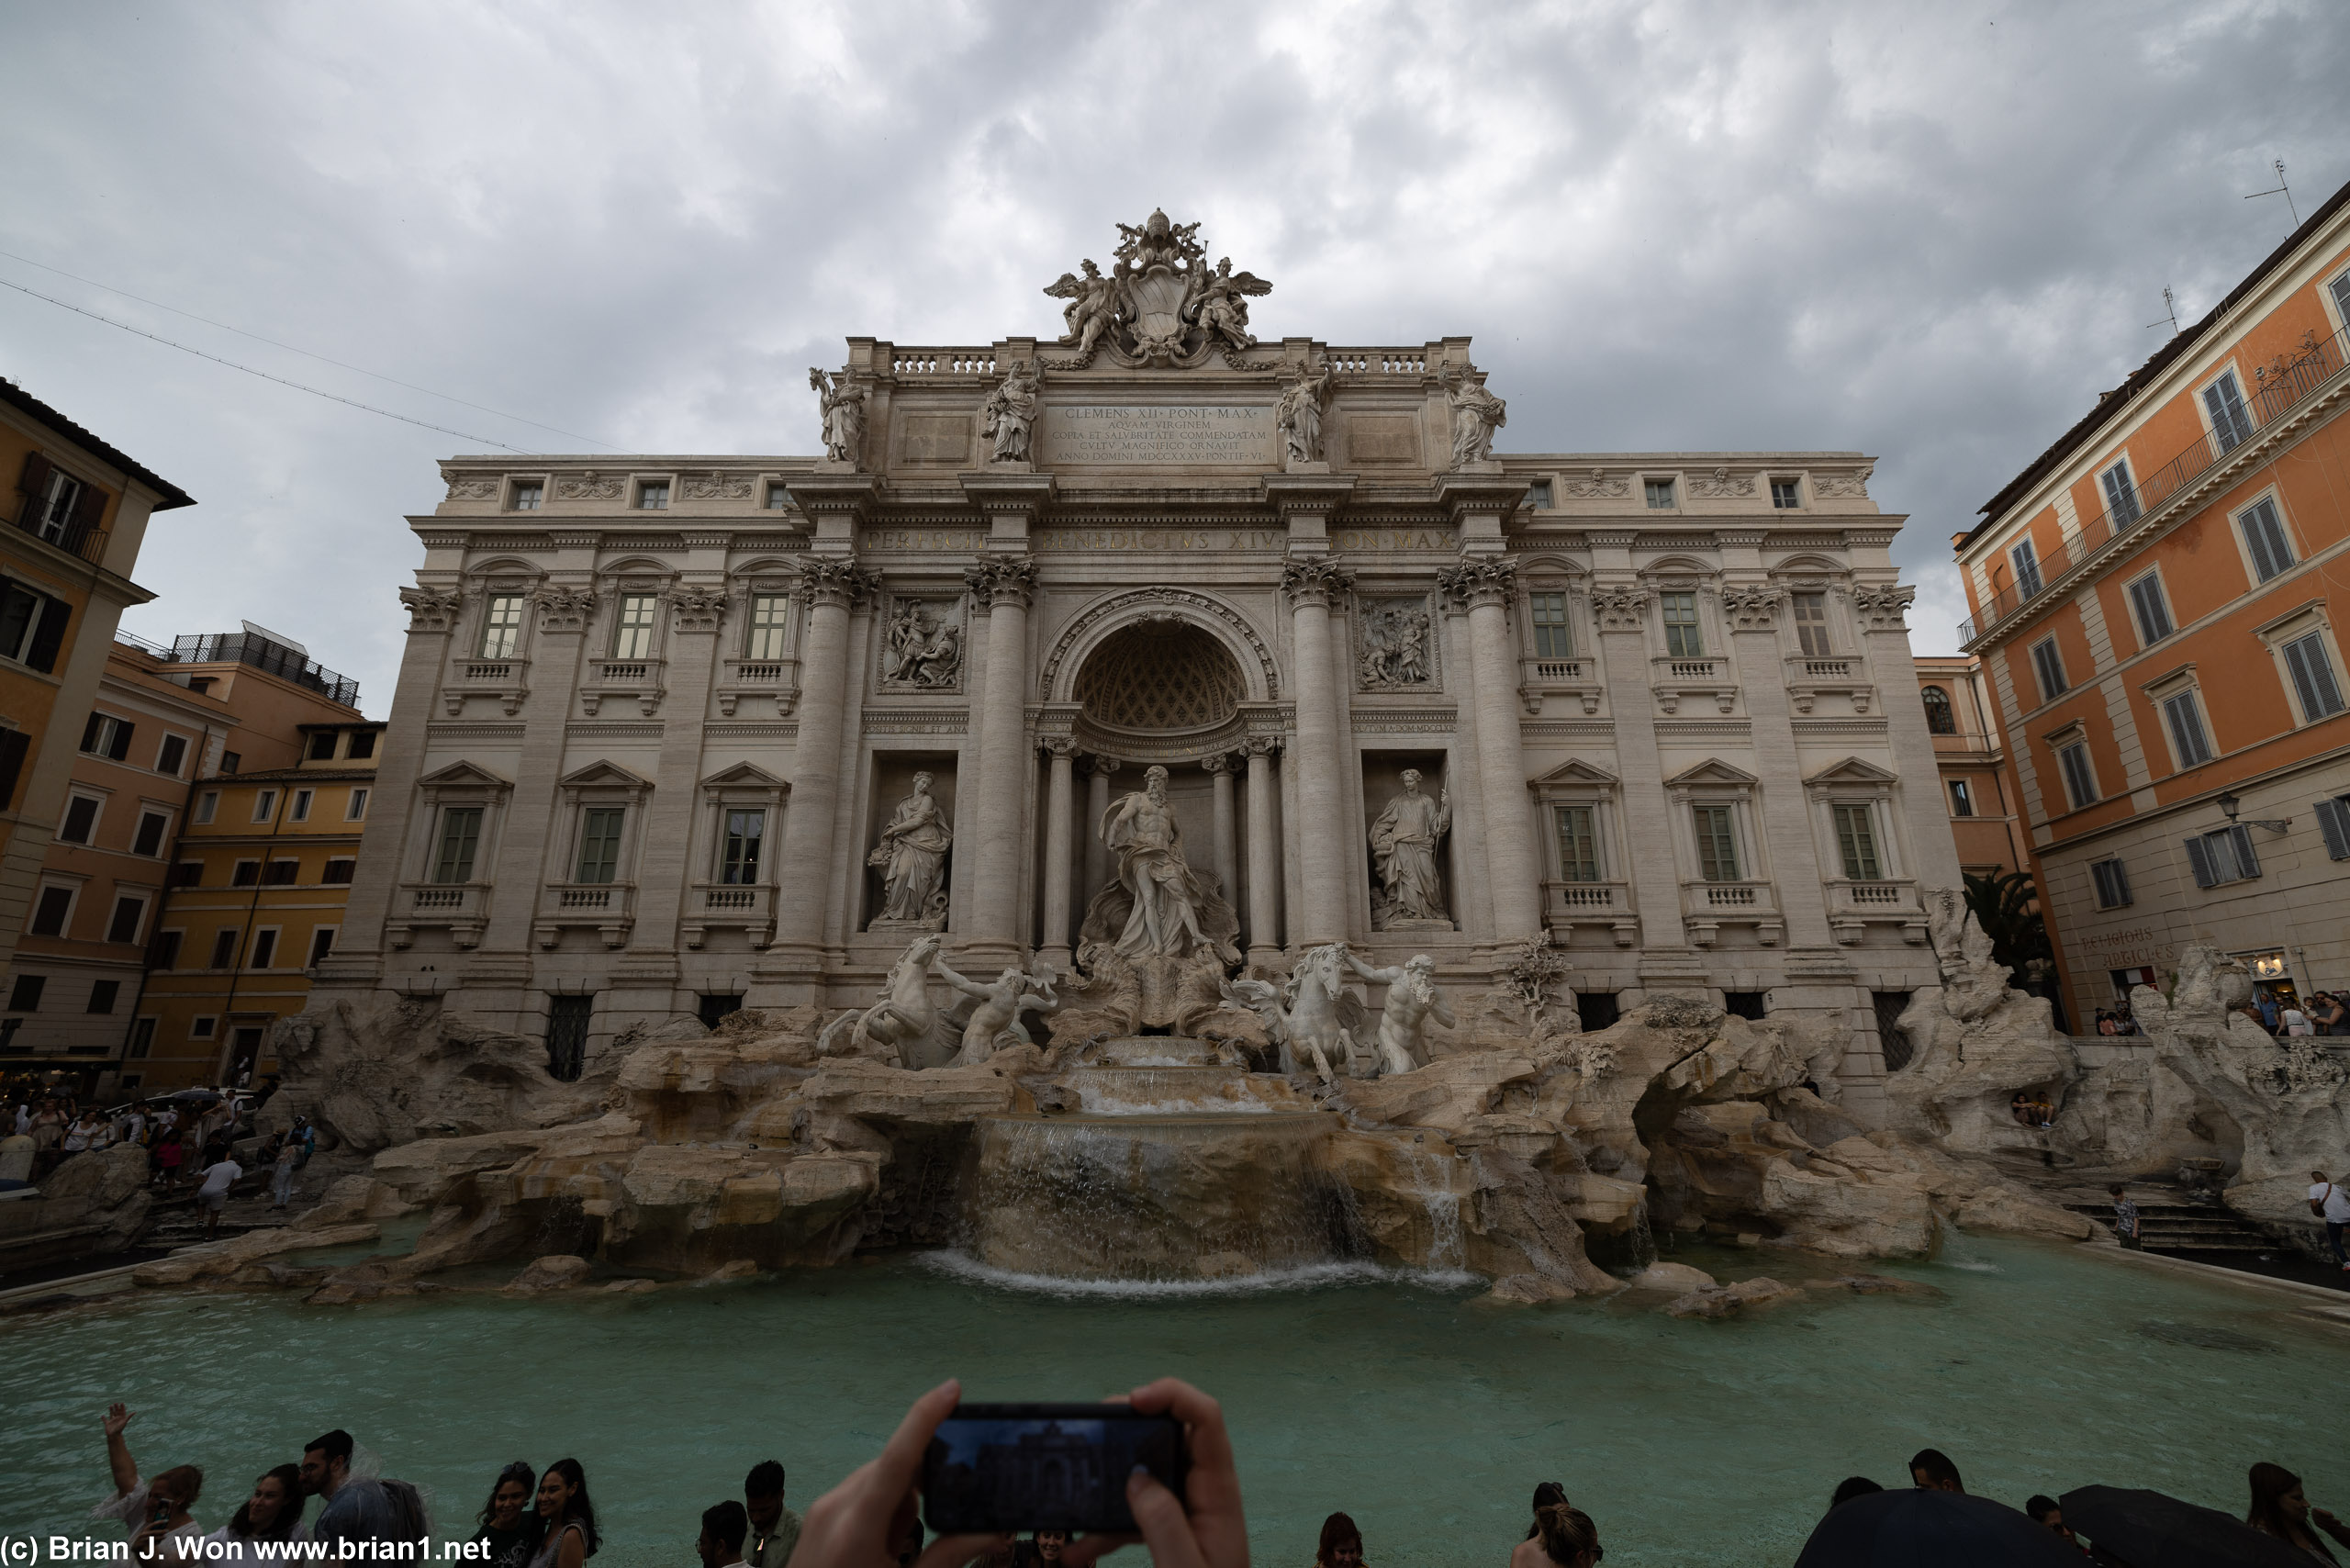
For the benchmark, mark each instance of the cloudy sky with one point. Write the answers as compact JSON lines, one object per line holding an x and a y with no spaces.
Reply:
{"x":1930,"y":232}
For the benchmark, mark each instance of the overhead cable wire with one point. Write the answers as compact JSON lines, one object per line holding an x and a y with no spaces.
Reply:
{"x":265,"y":375}
{"x":323,"y":359}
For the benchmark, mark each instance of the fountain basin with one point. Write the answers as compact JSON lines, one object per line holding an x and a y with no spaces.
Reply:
{"x":1181,"y":1090}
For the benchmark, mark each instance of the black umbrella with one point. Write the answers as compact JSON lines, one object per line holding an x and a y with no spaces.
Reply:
{"x":2153,"y":1529}
{"x":1933,"y":1529}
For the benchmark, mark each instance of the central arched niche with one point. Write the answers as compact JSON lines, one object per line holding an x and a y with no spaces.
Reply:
{"x":1159,"y":678}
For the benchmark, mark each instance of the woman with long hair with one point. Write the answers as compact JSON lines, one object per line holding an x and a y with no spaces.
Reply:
{"x":510,"y":1529}
{"x":2280,"y":1508}
{"x":566,"y":1518}
{"x":1568,"y":1538}
{"x":1341,"y":1544}
{"x":1528,"y":1554}
{"x":274,"y":1513}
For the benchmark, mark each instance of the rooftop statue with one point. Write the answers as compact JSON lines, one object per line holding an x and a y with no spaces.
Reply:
{"x":1162,"y":304}
{"x":1011,"y":414}
{"x":1476,"y":415}
{"x":843,"y":411}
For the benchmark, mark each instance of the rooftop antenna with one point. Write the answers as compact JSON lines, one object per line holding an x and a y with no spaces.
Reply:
{"x":2170,"y":313}
{"x":2282,"y":190}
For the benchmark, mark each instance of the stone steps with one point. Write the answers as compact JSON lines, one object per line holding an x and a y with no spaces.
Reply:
{"x":2186,"y":1228}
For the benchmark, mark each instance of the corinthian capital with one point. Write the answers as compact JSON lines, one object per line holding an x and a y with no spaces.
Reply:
{"x":1751,"y":609}
{"x":1315,"y":581}
{"x":835,"y":581}
{"x":429,"y":608}
{"x":1478,"y":582}
{"x":1002,"y":579}
{"x":1881,"y":609}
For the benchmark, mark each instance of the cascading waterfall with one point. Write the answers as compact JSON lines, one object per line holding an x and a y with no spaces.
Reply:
{"x":1431,"y":1183}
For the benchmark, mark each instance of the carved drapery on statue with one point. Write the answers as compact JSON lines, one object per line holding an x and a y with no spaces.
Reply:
{"x":1476,"y":415}
{"x":923,"y":649}
{"x":1299,"y":416}
{"x":1402,"y":846}
{"x":1011,"y":413}
{"x":1162,"y":304}
{"x":842,"y":407}
{"x":912,"y":858}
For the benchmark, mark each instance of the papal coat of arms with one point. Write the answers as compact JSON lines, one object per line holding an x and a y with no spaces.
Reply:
{"x":1162,"y":304}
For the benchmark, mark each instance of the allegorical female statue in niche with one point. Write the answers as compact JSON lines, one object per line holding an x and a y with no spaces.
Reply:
{"x":1403,"y":846}
{"x":912,"y":856}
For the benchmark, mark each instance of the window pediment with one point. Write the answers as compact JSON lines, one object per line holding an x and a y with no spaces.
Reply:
{"x":1715,"y":772}
{"x":464,"y":775}
{"x":603,"y":775}
{"x":1853,"y":770}
{"x":743,"y":776}
{"x":1574,"y":770}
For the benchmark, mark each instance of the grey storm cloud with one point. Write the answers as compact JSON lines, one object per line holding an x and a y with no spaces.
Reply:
{"x":1931,"y":232}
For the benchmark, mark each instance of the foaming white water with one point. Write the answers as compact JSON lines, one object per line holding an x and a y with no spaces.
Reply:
{"x":1304,"y":1277}
{"x":1097,"y":1102}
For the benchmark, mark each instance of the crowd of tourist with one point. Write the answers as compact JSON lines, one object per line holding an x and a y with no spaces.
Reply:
{"x":2320,"y":1012}
{"x":546,"y":1518}
{"x":188,"y":1140}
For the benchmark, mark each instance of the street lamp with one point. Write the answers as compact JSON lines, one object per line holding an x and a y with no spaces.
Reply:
{"x":2230,"y":803}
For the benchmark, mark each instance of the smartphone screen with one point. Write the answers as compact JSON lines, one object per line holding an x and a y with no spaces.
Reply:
{"x":1029,"y":1467}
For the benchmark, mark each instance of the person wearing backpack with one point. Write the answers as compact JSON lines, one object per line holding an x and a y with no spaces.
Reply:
{"x":2331,"y":1204}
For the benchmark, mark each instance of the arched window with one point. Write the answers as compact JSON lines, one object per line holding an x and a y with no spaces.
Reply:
{"x":1939,"y":718}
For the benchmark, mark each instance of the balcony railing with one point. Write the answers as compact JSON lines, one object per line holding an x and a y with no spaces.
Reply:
{"x":1706,"y":907}
{"x":459,"y":907}
{"x":609,"y":907}
{"x":74,"y":539}
{"x":1855,"y":903}
{"x":2280,"y":390}
{"x":1569,"y":904}
{"x":727,"y":906}
{"x":271,"y":657}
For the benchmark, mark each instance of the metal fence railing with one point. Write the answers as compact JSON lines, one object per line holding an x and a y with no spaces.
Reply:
{"x":273,"y":658}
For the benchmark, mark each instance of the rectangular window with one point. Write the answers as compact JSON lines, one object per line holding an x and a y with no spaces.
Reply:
{"x":24,"y":995}
{"x":2080,"y":784}
{"x":1811,"y":624}
{"x":1578,"y":845}
{"x":2112,"y":883}
{"x":1552,"y":637}
{"x":354,"y":809}
{"x":302,"y":799}
{"x":1682,"y":640}
{"x":652,"y":496}
{"x":2333,"y":818}
{"x":201,"y":1028}
{"x":265,"y":804}
{"x":778,"y":498}
{"x":2183,"y":717}
{"x":2341,"y":290}
{"x":1660,"y":493}
{"x":2313,"y":682}
{"x":739,"y":863}
{"x":2223,"y":855}
{"x":264,"y":947}
{"x":501,"y":626}
{"x":1856,"y":841}
{"x":230,"y":761}
{"x":208,"y":805}
{"x":51,"y":911}
{"x":321,"y":944}
{"x":2027,"y":563}
{"x":54,"y":508}
{"x":187,"y":874}
{"x":2148,"y":608}
{"x":2049,"y":665}
{"x":163,"y":952}
{"x":2120,"y":495}
{"x":2263,"y":538}
{"x":128,"y":915}
{"x":224,"y":948}
{"x":1538,"y":495}
{"x":246,"y":874}
{"x":32,"y":625}
{"x":338,"y":872}
{"x":2231,"y":422}
{"x":1786,"y":494}
{"x":1962,"y":798}
{"x":460,"y":838}
{"x":14,"y":744}
{"x":1717,"y":843}
{"x":529,"y":497}
{"x":102,"y":995}
{"x":282,"y":874}
{"x":599,"y":843}
{"x":171,"y":756}
{"x":632,"y":631}
{"x":80,"y":820}
{"x":321,"y":746}
{"x":105,"y":736}
{"x":769,"y":612}
{"x":362,"y":745}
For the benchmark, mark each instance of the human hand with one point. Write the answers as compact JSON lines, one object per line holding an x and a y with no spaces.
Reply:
{"x":858,"y":1523}
{"x":1205,"y":1529}
{"x":116,"y":1419}
{"x":2322,"y":1516}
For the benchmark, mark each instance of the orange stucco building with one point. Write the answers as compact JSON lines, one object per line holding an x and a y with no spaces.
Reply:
{"x":2153,"y":604}
{"x":1984,"y":822}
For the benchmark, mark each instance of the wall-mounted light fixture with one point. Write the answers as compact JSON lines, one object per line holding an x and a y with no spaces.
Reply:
{"x":2230,"y":803}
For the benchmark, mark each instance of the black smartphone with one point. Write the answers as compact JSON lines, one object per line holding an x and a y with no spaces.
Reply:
{"x":1029,"y":1467}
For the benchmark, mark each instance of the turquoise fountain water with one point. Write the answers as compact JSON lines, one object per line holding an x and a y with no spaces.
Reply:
{"x":1428,"y":1415}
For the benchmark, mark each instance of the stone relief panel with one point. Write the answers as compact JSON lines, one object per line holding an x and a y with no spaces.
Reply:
{"x":1721,"y":484}
{"x":1395,"y":648}
{"x":473,"y":488}
{"x":1596,"y":485}
{"x":589,"y":486}
{"x":717,"y":487}
{"x":1848,"y":486}
{"x":922,"y":649}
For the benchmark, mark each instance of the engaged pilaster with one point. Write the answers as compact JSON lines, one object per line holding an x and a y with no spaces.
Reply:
{"x":1264,"y":857}
{"x":1060,"y":827}
{"x":1004,"y":584}
{"x":1325,"y":855}
{"x":1512,"y":867}
{"x":831,"y":587}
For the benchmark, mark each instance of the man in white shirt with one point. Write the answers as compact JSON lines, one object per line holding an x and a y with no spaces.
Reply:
{"x":213,"y":1196}
{"x":2331,"y":1204}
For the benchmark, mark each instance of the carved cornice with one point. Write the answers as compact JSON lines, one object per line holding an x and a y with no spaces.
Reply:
{"x":1315,"y":580}
{"x":835,"y":581}
{"x":1751,"y":609}
{"x":1002,"y":580}
{"x":1620,"y":608}
{"x":1485,"y":581}
{"x":1881,"y":609}
{"x":430,"y":608}
{"x":717,"y":486}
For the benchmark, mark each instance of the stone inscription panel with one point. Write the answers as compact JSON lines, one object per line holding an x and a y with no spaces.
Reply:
{"x":1146,"y":435}
{"x":1057,"y":539}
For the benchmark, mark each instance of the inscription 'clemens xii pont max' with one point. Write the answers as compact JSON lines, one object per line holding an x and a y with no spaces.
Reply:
{"x":1240,"y":436}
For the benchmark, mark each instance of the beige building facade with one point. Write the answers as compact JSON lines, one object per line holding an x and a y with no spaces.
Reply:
{"x":674,"y":734}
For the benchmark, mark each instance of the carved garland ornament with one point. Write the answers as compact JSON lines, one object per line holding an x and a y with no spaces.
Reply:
{"x":472,"y":487}
{"x":717,"y":487}
{"x":1598,"y":487}
{"x":1721,"y":485}
{"x":1853,"y":487}
{"x":1202,"y":608}
{"x":589,"y":486}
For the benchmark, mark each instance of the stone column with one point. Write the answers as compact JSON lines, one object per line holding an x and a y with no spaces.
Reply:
{"x":665,"y":874}
{"x":1003,"y":583}
{"x":1514,"y":870}
{"x":1264,"y":857}
{"x":1784,"y":813}
{"x":830,"y":585}
{"x":1227,"y":855}
{"x":1324,"y":851}
{"x":1097,"y":803}
{"x":1620,"y":608}
{"x":1061,"y":808}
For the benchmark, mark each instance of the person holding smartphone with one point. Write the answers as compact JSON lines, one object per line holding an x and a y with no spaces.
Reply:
{"x":155,"y":1511}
